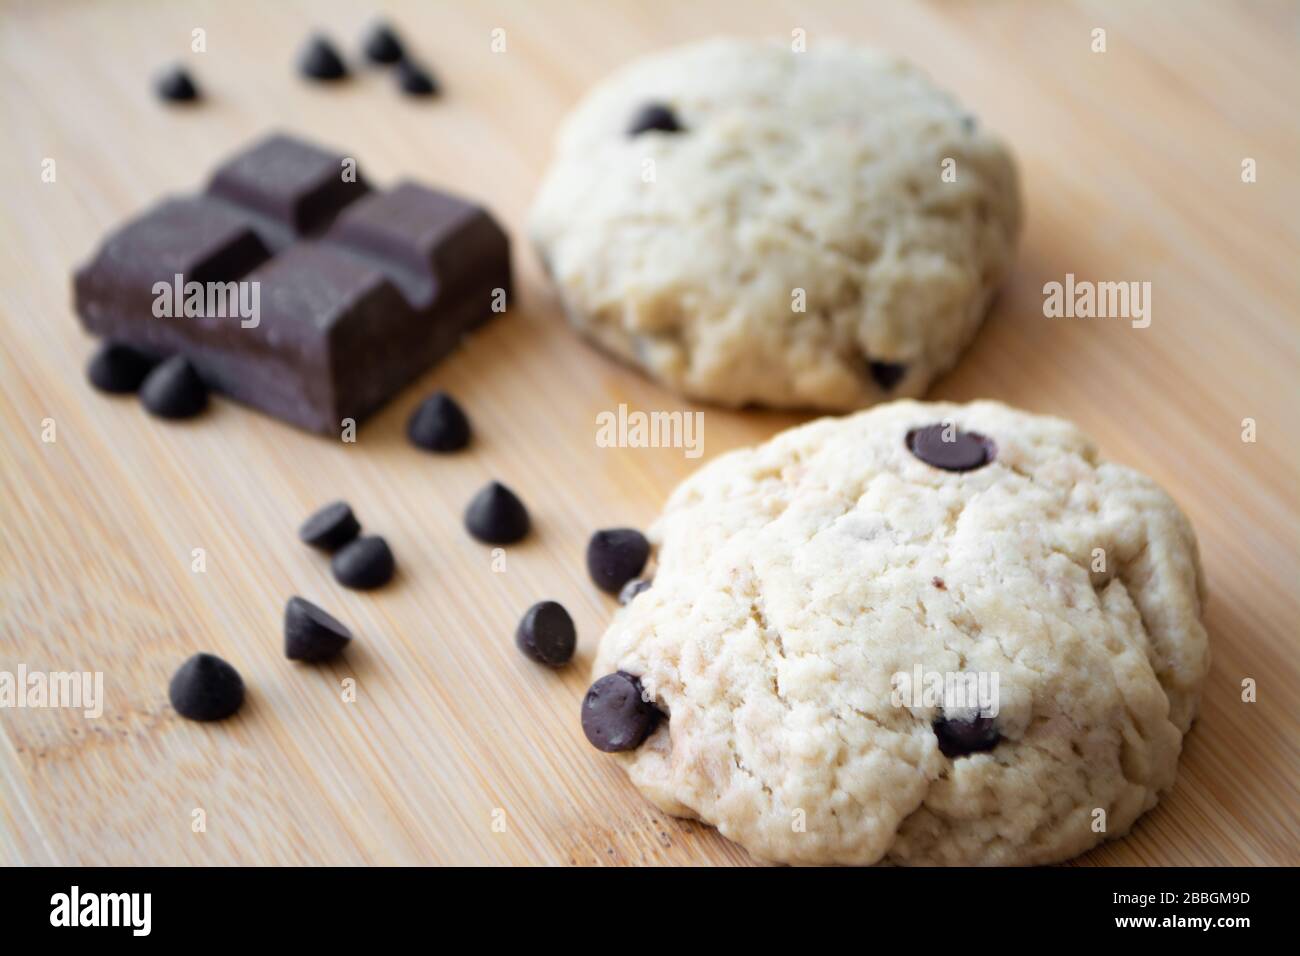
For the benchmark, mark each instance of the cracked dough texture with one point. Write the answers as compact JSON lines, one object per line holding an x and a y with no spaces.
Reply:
{"x":817,"y":171}
{"x":796,"y":577}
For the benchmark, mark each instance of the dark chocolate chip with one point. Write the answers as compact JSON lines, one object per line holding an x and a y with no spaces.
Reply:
{"x":206,"y":688}
{"x":546,"y":634}
{"x":415,"y":80}
{"x":965,"y":452}
{"x":496,"y":515}
{"x":961,"y":736}
{"x":654,"y":116}
{"x":174,"y":389}
{"x":615,"y":716}
{"x":119,"y":368}
{"x":887,"y":374}
{"x":331,"y":527}
{"x":363,"y":564}
{"x":938,"y":582}
{"x":320,"y":61}
{"x":310,"y":633}
{"x":174,"y":84}
{"x":439,"y":424}
{"x":632,"y":589}
{"x":382,"y":44}
{"x":615,"y":556}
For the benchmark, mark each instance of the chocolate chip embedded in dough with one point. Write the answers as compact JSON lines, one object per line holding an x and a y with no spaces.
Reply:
{"x":654,"y":116}
{"x":959,"y":737}
{"x":615,"y":717}
{"x":615,"y":556}
{"x":887,"y":374}
{"x":965,"y":451}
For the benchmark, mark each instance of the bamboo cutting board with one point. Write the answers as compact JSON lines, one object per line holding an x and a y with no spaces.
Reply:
{"x":456,"y":749}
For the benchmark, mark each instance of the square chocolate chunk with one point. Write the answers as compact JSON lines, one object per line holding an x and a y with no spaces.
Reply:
{"x":294,"y":287}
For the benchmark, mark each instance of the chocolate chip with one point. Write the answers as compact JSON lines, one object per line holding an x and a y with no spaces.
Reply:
{"x":439,"y":424}
{"x":632,"y":589}
{"x":331,"y":527}
{"x":887,"y":374}
{"x":320,"y":61}
{"x":654,"y":116}
{"x":546,"y":634}
{"x":119,"y":368}
{"x":363,"y":564}
{"x":310,"y":633}
{"x":615,"y":716}
{"x":174,"y":389}
{"x":382,"y":45}
{"x":496,"y":515}
{"x":175,"y":85}
{"x":415,"y":80}
{"x":938,"y":582}
{"x":206,"y":688}
{"x":961,"y":736}
{"x":965,"y":452}
{"x":615,"y":556}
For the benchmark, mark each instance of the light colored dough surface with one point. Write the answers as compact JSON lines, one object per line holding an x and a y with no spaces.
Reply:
{"x":817,"y":171}
{"x":795,"y":578}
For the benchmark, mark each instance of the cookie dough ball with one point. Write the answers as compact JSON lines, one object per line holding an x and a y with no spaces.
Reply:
{"x":751,"y":225}
{"x":809,"y":590}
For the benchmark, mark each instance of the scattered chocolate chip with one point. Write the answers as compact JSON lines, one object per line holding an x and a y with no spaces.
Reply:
{"x":887,"y":374}
{"x":363,"y":564}
{"x":546,"y":634}
{"x":654,"y":116}
{"x":615,"y":716}
{"x":382,"y":45}
{"x":632,"y":589}
{"x":438,"y":424}
{"x":415,"y":80}
{"x":615,"y":556}
{"x":938,"y":582}
{"x":119,"y":368}
{"x":961,"y":736}
{"x":310,"y":633}
{"x":174,"y":390}
{"x":496,"y":515}
{"x":966,"y":452}
{"x":320,"y":61}
{"x":175,"y":85}
{"x":206,"y":688}
{"x":331,"y":527}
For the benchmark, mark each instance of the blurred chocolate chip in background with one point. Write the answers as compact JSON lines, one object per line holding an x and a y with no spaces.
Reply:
{"x":320,"y":61}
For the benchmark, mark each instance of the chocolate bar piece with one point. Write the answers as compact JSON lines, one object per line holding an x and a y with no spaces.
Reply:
{"x":294,"y":287}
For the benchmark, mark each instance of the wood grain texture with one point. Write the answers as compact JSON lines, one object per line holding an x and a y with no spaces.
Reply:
{"x":1131,"y":165}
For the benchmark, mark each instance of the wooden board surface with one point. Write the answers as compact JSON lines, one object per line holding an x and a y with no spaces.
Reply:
{"x":1131,"y":161}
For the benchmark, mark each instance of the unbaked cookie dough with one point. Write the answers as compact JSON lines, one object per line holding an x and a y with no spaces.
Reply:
{"x":798,"y":579}
{"x":752,"y":225}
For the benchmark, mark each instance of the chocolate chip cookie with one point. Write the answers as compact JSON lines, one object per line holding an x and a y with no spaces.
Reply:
{"x":754,"y":225}
{"x":922,"y":634}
